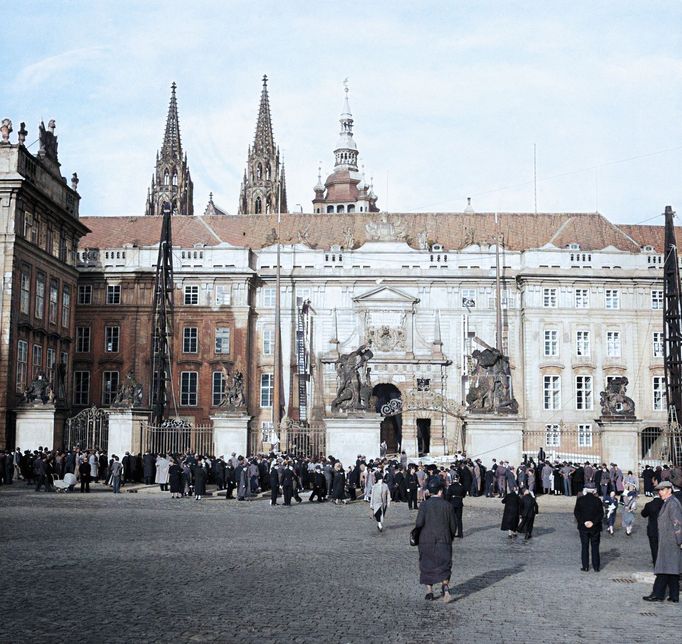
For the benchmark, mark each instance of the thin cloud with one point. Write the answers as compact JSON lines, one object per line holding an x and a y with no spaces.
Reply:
{"x":46,"y":69}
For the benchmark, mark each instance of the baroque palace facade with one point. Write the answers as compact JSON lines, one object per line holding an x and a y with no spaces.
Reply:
{"x":581,"y":300}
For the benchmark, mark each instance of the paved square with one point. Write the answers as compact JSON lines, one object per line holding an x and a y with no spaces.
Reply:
{"x":146,"y":568}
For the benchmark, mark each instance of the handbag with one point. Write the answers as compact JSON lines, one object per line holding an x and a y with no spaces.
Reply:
{"x":414,"y":536}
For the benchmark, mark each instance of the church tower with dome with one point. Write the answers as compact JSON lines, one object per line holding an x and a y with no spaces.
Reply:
{"x":345,"y":189}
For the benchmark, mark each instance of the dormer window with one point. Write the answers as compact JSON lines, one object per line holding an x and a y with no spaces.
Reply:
{"x":437,"y":248}
{"x":648,"y":249}
{"x":574,"y":246}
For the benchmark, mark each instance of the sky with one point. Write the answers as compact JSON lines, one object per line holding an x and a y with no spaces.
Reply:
{"x":449,"y":98}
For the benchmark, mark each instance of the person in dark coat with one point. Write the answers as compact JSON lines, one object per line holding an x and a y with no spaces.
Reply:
{"x":437,"y":528}
{"x":455,"y":495}
{"x":510,"y":516}
{"x":466,"y":479}
{"x":274,"y":483}
{"x":589,"y":514}
{"x":339,"y":484}
{"x":489,"y":483}
{"x":200,"y":477}
{"x":149,"y":468}
{"x":288,"y":484}
{"x":84,"y":471}
{"x":650,"y":512}
{"x":319,"y":486}
{"x":411,"y":486}
{"x":528,"y":507}
{"x":175,"y":479}
{"x":648,"y":478}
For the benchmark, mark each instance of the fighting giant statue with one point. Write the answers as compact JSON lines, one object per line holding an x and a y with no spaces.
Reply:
{"x":353,"y":375}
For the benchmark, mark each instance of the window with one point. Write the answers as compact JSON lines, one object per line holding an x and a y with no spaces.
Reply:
{"x":612,"y":298}
{"x":549,"y":298}
{"x":268,"y":296}
{"x":552,"y":435}
{"x":468,"y":298}
{"x":266,"y":389}
{"x":81,"y":388}
{"x":66,"y":305}
{"x":552,"y":392}
{"x":268,"y":342}
{"x":585,"y":435}
{"x":658,"y":344}
{"x":82,"y":339}
{"x":85,"y":294}
{"x":613,"y":344}
{"x":222,"y":295}
{"x":218,"y":387}
{"x":22,"y":364}
{"x":191,"y":295}
{"x":113,"y":293}
{"x":49,"y":365}
{"x":40,"y":296}
{"x":582,"y":298}
{"x":583,"y":392}
{"x":109,"y":386}
{"x":222,"y":339}
{"x":25,"y":302}
{"x":54,"y":301}
{"x":111,"y":338}
{"x":188,"y":388}
{"x":657,"y":299}
{"x":659,"y":393}
{"x":582,"y":343}
{"x":37,"y":359}
{"x":190,"y":339}
{"x":551,"y":342}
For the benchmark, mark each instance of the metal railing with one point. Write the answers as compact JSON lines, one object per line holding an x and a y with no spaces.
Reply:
{"x":564,"y":444}
{"x":88,"y":429}
{"x":306,"y":441}
{"x":178,"y":439}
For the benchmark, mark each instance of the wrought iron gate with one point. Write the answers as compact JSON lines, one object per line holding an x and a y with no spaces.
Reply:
{"x":661,"y":446}
{"x":176,"y":437}
{"x":303,"y":440}
{"x":88,"y":429}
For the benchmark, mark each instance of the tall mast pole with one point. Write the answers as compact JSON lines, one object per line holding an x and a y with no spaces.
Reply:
{"x":277,"y":384}
{"x":672,"y":319}
{"x":498,"y":301}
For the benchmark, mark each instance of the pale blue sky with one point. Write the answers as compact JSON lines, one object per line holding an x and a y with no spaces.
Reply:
{"x":448,"y":97}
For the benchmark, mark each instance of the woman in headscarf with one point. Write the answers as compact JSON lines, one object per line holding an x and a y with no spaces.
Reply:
{"x":629,"y":503}
{"x":610,"y":507}
{"x":175,"y":476}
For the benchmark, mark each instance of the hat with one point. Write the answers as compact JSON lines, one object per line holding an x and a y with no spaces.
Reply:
{"x":663,"y":485}
{"x":435,"y":485}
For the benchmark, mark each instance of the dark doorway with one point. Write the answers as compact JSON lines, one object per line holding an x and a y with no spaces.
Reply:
{"x":423,"y":436}
{"x":391,"y":426}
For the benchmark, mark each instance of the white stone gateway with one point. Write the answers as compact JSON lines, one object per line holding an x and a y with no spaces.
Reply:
{"x":348,"y":436}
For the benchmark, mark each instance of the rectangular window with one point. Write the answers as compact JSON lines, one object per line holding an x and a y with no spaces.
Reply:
{"x":582,"y":343}
{"x":268,"y":295}
{"x":218,"y":387}
{"x":658,"y":344}
{"x":113,"y":293}
{"x":267,"y":385}
{"x":109,"y":386}
{"x":111,"y":338}
{"x":583,"y":393}
{"x":25,"y":302}
{"x":40,"y":296}
{"x":66,"y":305}
{"x":51,"y":361}
{"x":188,"y":388}
{"x":190,"y":343}
{"x":85,"y":294}
{"x":552,"y":435}
{"x":612,"y":298}
{"x":268,"y":342}
{"x":82,"y":339}
{"x":22,"y":364}
{"x":657,"y":299}
{"x":613,"y":344}
{"x":551,"y":343}
{"x":549,"y":298}
{"x":585,"y":435}
{"x":222,"y":339}
{"x":37,"y":359}
{"x":54,"y":301}
{"x":468,"y":298}
{"x":582,"y":298}
{"x":222,"y":295}
{"x":191,"y":295}
{"x":659,"y":393}
{"x":551,"y":387}
{"x":81,"y":388}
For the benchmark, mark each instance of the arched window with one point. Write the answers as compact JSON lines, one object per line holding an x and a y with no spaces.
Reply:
{"x":268,"y":172}
{"x":175,"y":178}
{"x":339,"y":208}
{"x":166,"y":178}
{"x":258,"y":206}
{"x":259,"y":171}
{"x":351,"y":208}
{"x":330,"y":208}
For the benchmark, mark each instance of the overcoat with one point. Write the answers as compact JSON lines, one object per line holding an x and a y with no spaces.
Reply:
{"x":200,"y":476}
{"x":669,"y":559}
{"x":162,"y":466}
{"x":436,"y":520}
{"x":175,"y":476}
{"x":510,"y":517}
{"x":379,"y":497}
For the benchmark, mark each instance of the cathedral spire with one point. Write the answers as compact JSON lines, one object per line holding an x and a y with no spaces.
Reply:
{"x":264,"y":141}
{"x":171,"y":138}
{"x":346,"y":152}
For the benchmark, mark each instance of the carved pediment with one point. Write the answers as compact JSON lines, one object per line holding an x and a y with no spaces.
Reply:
{"x":386,"y":295}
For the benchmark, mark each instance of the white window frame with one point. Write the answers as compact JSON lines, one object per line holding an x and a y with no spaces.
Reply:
{"x":85,"y":294}
{"x":613,"y":344}
{"x":53,"y":303}
{"x":83,"y":337}
{"x":268,"y":296}
{"x":66,"y":305}
{"x":41,"y":282}
{"x":113,"y":293}
{"x":222,"y":340}
{"x":656,"y":299}
{"x":584,"y":397}
{"x":657,"y":345}
{"x":22,"y":365}
{"x":550,"y":298}
{"x":223,"y":295}
{"x":267,"y":387}
{"x":585,"y":435}
{"x":81,"y":394}
{"x":268,"y":341}
{"x":190,"y":339}
{"x":551,"y":392}
{"x":37,"y":359}
{"x":552,"y":435}
{"x":191,"y":297}
{"x":582,"y":298}
{"x":25,"y":286}
{"x":551,"y":343}
{"x":612,"y":299}
{"x":189,"y":388}
{"x":108,"y":390}
{"x":658,"y":393}
{"x":112,"y":338}
{"x":217,"y":388}
{"x":582,"y":343}
{"x":469,"y":298}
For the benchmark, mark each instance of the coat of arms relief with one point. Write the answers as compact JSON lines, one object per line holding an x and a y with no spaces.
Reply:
{"x":386,"y":330}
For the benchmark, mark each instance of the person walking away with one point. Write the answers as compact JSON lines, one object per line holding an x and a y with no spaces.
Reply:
{"x":611,"y":509}
{"x":629,"y":502}
{"x":319,"y":486}
{"x":274,"y":483}
{"x":200,"y":476}
{"x":528,"y":509}
{"x":648,"y":478}
{"x":668,"y":565}
{"x":288,"y":484}
{"x":115,"y":473}
{"x":148,"y":467}
{"x":162,"y":465}
{"x":547,"y":474}
{"x":339,"y":484}
{"x":411,"y":485}
{"x":175,"y":479}
{"x":650,"y":512}
{"x":455,"y":495}
{"x":510,"y":516}
{"x":589,"y":514}
{"x":379,"y":500}
{"x":84,"y":472}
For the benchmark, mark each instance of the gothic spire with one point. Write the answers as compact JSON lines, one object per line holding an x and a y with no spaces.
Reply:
{"x":264,"y":141}
{"x":171,"y":138}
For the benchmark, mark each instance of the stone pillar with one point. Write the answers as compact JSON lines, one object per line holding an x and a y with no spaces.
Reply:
{"x":230,"y":434}
{"x":125,"y":431}
{"x":348,"y":436}
{"x":35,"y":427}
{"x":620,"y":442}
{"x":491,"y":436}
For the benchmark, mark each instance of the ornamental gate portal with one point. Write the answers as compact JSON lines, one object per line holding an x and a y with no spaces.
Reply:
{"x":88,"y":429}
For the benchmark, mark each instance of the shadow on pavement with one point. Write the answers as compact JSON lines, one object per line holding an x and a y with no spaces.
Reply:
{"x":479,"y":529}
{"x":608,"y":556}
{"x":482,"y":581}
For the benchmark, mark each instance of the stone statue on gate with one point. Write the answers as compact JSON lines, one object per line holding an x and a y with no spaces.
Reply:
{"x":614,"y":402}
{"x":490,"y":383}
{"x":233,"y":398}
{"x":39,"y":391}
{"x":129,"y":394}
{"x":353,"y":376}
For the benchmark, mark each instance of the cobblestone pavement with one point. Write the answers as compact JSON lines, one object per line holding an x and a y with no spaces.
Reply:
{"x":146,"y":568}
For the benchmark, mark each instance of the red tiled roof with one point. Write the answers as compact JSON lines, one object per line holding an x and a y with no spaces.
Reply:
{"x":653,"y":236}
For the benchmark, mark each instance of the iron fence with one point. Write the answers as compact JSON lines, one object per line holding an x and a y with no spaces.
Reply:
{"x":301,"y":440}
{"x":660,"y":446}
{"x":89,"y":429}
{"x":564,"y":444}
{"x":178,"y":438}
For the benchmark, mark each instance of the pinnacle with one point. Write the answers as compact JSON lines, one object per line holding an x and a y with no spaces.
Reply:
{"x":264,"y":140}
{"x":171,"y":140}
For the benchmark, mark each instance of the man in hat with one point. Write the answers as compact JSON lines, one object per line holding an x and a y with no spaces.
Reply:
{"x":589,"y":513}
{"x":668,"y":565}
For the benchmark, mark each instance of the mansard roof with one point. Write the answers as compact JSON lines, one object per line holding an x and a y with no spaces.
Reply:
{"x":455,"y":231}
